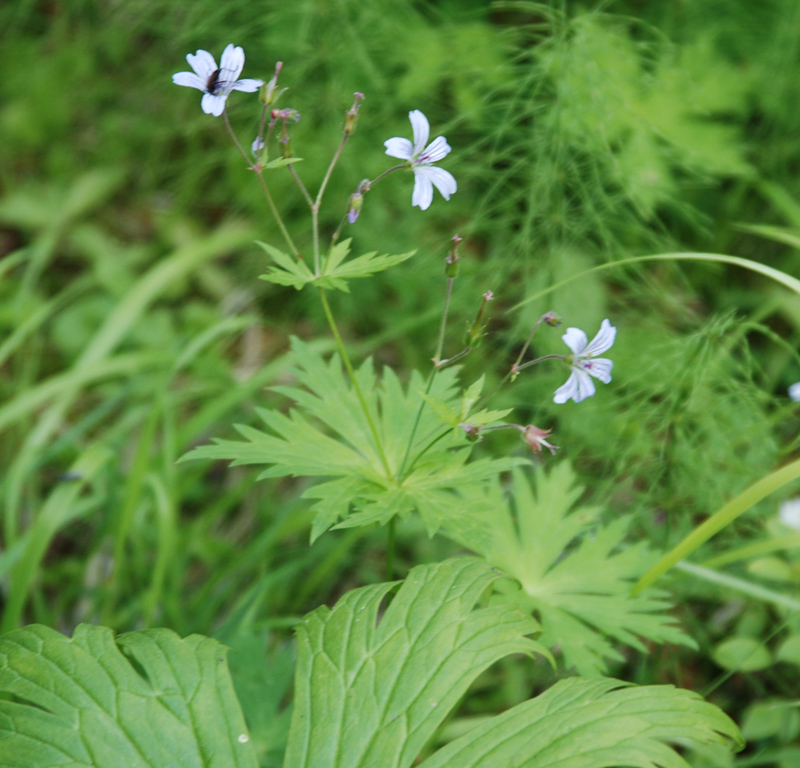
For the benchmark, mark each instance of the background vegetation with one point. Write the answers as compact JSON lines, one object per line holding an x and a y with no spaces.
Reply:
{"x":132,"y":327}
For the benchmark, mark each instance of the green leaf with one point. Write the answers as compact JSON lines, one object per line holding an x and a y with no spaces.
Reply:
{"x":280,"y":162}
{"x":336,"y":272}
{"x":332,"y":438}
{"x":592,"y":724}
{"x":290,"y":271}
{"x":144,"y":700}
{"x":742,"y":654}
{"x":571,"y":570}
{"x":373,"y":694}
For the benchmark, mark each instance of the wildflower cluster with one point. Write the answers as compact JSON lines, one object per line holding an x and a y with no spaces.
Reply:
{"x":420,"y":157}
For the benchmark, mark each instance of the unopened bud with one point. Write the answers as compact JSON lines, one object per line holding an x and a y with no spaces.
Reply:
{"x":351,"y":116}
{"x":471,"y":432}
{"x":552,"y":319}
{"x":452,"y":259}
{"x":354,"y":206}
{"x":270,"y":92}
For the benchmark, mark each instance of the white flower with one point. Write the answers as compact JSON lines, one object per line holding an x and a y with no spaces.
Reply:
{"x":421,"y":159}
{"x":794,"y":392}
{"x":584,"y":362}
{"x":216,"y":83}
{"x":789,"y":513}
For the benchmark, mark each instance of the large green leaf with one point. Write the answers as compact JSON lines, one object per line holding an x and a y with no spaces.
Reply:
{"x":143,"y":700}
{"x":571,"y":569}
{"x":592,"y":724}
{"x":373,"y":694}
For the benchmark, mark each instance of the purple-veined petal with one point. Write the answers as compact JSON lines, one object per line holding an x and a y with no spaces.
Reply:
{"x":566,"y":390}
{"x":442,"y":180}
{"x":190,"y":80}
{"x":437,"y":150}
{"x":423,"y":191}
{"x":203,"y":63}
{"x":213,"y":104}
{"x":575,"y":339}
{"x":248,"y":85}
{"x":421,"y":128}
{"x":600,"y":368}
{"x":585,"y":386}
{"x":604,"y":339}
{"x":399,"y":148}
{"x":232,"y":63}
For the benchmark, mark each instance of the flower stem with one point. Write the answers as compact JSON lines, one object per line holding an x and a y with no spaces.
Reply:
{"x":316,"y":204}
{"x":273,"y":208}
{"x":383,"y":175}
{"x":537,"y":360}
{"x":356,"y":386}
{"x":301,"y":185}
{"x":439,"y":346}
{"x":390,"y":547}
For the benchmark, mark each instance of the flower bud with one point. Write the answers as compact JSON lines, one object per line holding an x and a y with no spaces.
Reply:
{"x":471,"y":432}
{"x":351,"y":116}
{"x":270,"y":92}
{"x":354,"y":206}
{"x":552,"y":319}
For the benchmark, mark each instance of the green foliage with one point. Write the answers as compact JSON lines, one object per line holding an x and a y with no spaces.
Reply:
{"x":335,"y":273}
{"x":374,"y":695}
{"x":146,"y":699}
{"x":373,"y":482}
{"x":572,"y":571}
{"x":369,"y":691}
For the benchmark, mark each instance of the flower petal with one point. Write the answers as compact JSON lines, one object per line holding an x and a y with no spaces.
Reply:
{"x":794,"y":392}
{"x":213,"y":104}
{"x":422,"y":130}
{"x":585,"y":387}
{"x":203,"y":63}
{"x":399,"y":148}
{"x":789,"y":513}
{"x":248,"y":85}
{"x":600,"y":368}
{"x":437,"y":150}
{"x":575,"y":339}
{"x":443,"y":180}
{"x":604,"y":339}
{"x":566,"y":390}
{"x":232,"y":63}
{"x":190,"y":80}
{"x":423,"y":191}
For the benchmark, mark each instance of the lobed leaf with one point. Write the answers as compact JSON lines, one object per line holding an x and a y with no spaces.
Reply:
{"x":571,"y":570}
{"x":144,"y":700}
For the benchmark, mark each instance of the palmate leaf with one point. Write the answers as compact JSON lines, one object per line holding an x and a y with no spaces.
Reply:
{"x":143,"y":700}
{"x":335,"y":270}
{"x":328,"y":436}
{"x":571,"y":570}
{"x":372,"y":693}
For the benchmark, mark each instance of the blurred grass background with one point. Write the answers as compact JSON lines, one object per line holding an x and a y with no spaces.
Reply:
{"x":132,"y":327}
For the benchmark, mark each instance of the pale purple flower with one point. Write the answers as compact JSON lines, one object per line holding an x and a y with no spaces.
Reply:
{"x":584,"y":362}
{"x":420,"y":158}
{"x":794,"y":392}
{"x":216,"y":83}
